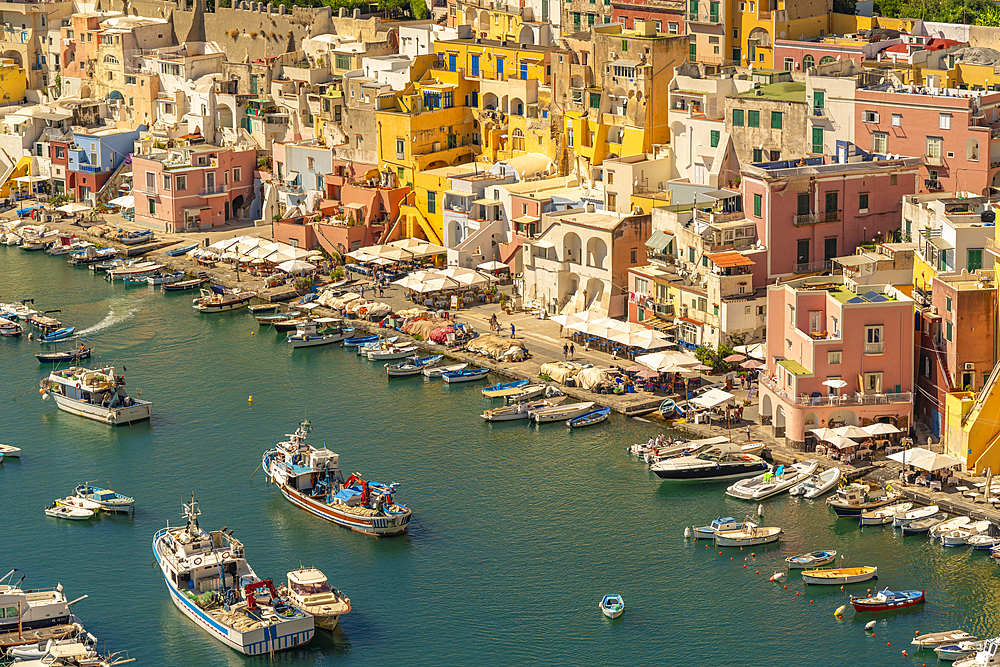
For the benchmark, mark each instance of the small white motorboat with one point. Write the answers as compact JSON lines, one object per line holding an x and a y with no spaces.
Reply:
{"x":722,"y":523}
{"x":82,"y":503}
{"x":932,"y":639}
{"x":810,"y":560}
{"x":883,"y":515}
{"x":956,"y":523}
{"x":905,"y":517}
{"x":958,"y":650}
{"x":309,"y":590}
{"x":983,"y":541}
{"x":612,"y":606}
{"x":11,"y":451}
{"x":520,"y":411}
{"x":560,"y":412}
{"x":68,"y":512}
{"x":773,"y":482}
{"x":526,"y":393}
{"x":817,"y":485}
{"x":392,"y":352}
{"x":959,"y":537}
{"x":747,"y":535}
{"x":437,"y":371}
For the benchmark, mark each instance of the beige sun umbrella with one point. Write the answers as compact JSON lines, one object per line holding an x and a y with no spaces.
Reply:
{"x":73,"y":207}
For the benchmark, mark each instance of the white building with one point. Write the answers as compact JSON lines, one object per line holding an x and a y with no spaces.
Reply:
{"x":701,"y":147}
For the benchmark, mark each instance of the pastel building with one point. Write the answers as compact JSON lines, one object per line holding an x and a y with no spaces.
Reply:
{"x":93,"y":157}
{"x":821,"y":329}
{"x":192,"y":188}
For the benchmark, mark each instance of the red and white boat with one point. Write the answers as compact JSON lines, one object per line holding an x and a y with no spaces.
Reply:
{"x":886,"y":600}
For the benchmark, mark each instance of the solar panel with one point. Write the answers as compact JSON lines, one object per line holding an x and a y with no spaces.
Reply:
{"x":872,"y":296}
{"x":878,"y":298}
{"x":857,"y":299}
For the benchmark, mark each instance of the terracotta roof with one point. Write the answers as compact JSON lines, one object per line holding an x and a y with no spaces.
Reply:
{"x":727,"y":259}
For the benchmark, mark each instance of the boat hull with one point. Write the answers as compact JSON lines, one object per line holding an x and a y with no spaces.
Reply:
{"x":313,"y":341}
{"x":236,"y":304}
{"x":856,"y":510}
{"x":748,"y":540}
{"x":839,"y":579}
{"x":126,"y":415}
{"x":454,"y":379}
{"x":885,"y":605}
{"x":711,"y":473}
{"x":377,"y":526}
{"x":261,"y":641}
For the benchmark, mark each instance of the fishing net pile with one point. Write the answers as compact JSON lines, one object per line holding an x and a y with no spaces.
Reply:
{"x":495,"y":347}
{"x":560,"y":371}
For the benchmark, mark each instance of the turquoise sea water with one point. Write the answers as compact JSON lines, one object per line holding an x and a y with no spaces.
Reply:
{"x":519,"y":531}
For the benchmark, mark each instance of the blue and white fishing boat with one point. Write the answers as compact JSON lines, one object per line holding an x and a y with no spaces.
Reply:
{"x":165,"y":278}
{"x":412,"y":366}
{"x":110,"y":501}
{"x":211,"y":582}
{"x":717,"y":525}
{"x":321,"y":331}
{"x":377,"y":344}
{"x":465,"y":375}
{"x":809,"y":560}
{"x":355,"y":341}
{"x":311,"y":479}
{"x":504,"y":389}
{"x":58,"y":334}
{"x":613,"y":606}
{"x":94,"y":394}
{"x":91,"y":255}
{"x":134,"y":238}
{"x":589,"y":418}
{"x":668,"y":408}
{"x":183,"y":250}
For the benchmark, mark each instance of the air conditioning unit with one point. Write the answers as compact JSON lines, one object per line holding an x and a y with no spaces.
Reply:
{"x":968,"y":367}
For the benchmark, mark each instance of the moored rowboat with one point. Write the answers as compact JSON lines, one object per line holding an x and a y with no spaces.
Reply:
{"x":840,"y":576}
{"x":811,"y":560}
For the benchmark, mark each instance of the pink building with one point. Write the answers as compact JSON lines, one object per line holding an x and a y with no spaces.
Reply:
{"x":798,"y":56}
{"x":956,"y":132}
{"x":193,"y":187}
{"x":807,"y":212}
{"x":822,"y":329}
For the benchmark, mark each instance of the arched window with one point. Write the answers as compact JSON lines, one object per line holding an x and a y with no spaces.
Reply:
{"x":110,"y":59}
{"x":827,"y":60}
{"x":807,"y":62}
{"x":972,"y":150}
{"x":517,"y":140}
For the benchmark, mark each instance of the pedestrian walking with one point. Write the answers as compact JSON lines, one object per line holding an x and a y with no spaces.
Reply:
{"x":748,"y":432}
{"x":512,"y":330}
{"x":565,"y":351}
{"x":572,"y":350}
{"x":362,"y":291}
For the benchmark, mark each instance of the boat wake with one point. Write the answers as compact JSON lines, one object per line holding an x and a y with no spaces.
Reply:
{"x":112,"y":318}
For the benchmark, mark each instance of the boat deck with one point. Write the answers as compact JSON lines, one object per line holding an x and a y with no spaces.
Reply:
{"x":9,"y":639}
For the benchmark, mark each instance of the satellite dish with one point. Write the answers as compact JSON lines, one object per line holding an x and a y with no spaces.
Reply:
{"x":881,"y":81}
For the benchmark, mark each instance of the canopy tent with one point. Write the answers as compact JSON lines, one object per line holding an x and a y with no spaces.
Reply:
{"x":841,"y":442}
{"x":493,"y":266}
{"x":73,"y":207}
{"x":128,"y":201}
{"x":361,"y":255}
{"x":712,"y":397}
{"x":925,"y":459}
{"x":879,"y":428}
{"x":296,"y":266}
{"x":836,"y":383}
{"x":466,"y":277}
{"x":852,"y":432}
{"x":662,"y":361}
{"x":380,"y":261}
{"x":225,"y":244}
{"x":755,"y":350}
{"x":646,"y":339}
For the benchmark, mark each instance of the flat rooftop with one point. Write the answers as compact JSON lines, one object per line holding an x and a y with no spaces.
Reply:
{"x":785,"y":91}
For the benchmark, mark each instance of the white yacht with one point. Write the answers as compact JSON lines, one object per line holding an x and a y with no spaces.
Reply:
{"x":95,"y":394}
{"x":34,"y":608}
{"x":309,"y":590}
{"x":772,"y":483}
{"x":210,"y":581}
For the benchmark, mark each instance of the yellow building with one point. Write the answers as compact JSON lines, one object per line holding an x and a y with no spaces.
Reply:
{"x":13,"y":82}
{"x":759,"y":22}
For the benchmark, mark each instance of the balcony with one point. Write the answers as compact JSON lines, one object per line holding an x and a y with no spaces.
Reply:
{"x":89,"y":169}
{"x":934,"y":160}
{"x":150,"y":190}
{"x":874,"y":349}
{"x":718,"y":217}
{"x":851,"y":399}
{"x":820,"y":112}
{"x":814,"y":267}
{"x":933,"y":185}
{"x":804,"y":219}
{"x":550,"y":265}
{"x":214,"y":190}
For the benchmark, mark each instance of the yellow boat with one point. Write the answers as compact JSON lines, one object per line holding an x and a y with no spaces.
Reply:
{"x":839,"y":576}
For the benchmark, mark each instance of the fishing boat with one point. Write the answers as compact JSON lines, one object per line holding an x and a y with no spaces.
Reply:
{"x":438,"y":371}
{"x":310,"y":478}
{"x":817,"y":485}
{"x":79,"y":648}
{"x":309,"y":590}
{"x":37,"y":607}
{"x":951,"y":524}
{"x":983,"y":541}
{"x":58,"y":334}
{"x":668,"y":408}
{"x":747,"y":535}
{"x":853,"y":499}
{"x":95,"y":394}
{"x":774,"y":482}
{"x":520,"y":411}
{"x":905,"y":517}
{"x":526,"y":393}
{"x":210,"y":581}
{"x":886,"y":600}
{"x":412,"y":366}
{"x":883,"y":515}
{"x":108,"y":500}
{"x":10,"y":329}
{"x":268,"y":320}
{"x":380,"y":344}
{"x":263,"y":309}
{"x":932,"y":639}
{"x":612,"y":606}
{"x":589,"y":418}
{"x":43,"y":321}
{"x":184,"y":285}
{"x":839,"y":576}
{"x":558,"y":413}
{"x":18,"y":311}
{"x":811,"y":560}
{"x":183,"y":250}
{"x":961,"y":536}
{"x":68,"y":512}
{"x":68,"y":355}
{"x":138,"y":280}
{"x":165,"y":278}
{"x":135,"y":238}
{"x":722,"y":523}
{"x":504,"y":389}
{"x":139,"y":269}
{"x":10,"y":451}
{"x":922,"y":526}
{"x":464,"y":375}
{"x":719,"y":461}
{"x":957,"y":651}
{"x":391,"y":352}
{"x":321,"y":331}
{"x":221,"y":299}
{"x":91,"y":255}
{"x":355,"y":341}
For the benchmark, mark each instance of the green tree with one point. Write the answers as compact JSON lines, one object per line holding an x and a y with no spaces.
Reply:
{"x":990,"y":16}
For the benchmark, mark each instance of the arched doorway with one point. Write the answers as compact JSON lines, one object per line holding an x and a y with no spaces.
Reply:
{"x":766,"y":410}
{"x":238,"y":204}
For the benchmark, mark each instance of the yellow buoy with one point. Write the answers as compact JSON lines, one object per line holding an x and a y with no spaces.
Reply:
{"x":840,"y":611}
{"x":250,"y":399}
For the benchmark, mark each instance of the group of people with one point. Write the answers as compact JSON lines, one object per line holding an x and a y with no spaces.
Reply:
{"x":495,"y":325}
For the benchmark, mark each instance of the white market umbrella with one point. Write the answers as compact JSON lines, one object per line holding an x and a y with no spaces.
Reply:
{"x":842,"y":442}
{"x":295,"y":266}
{"x":664,"y":361}
{"x":908,"y":456}
{"x":492,"y":266}
{"x":935,"y":462}
{"x":712,"y":397}
{"x":428,"y":249}
{"x":409,"y":282}
{"x":879,"y":428}
{"x":836,"y":384}
{"x":755,"y":350}
{"x":128,"y":201}
{"x":380,"y":261}
{"x":361,"y":255}
{"x":73,"y":207}
{"x":259,"y":260}
{"x":823,"y":433}
{"x":852,"y":432}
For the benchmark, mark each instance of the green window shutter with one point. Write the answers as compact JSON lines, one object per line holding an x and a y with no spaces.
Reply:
{"x":817,"y":140}
{"x":624,"y":45}
{"x":715,"y":138}
{"x":775,"y":120}
{"x":431,"y":202}
{"x":758,"y":155}
{"x":757,"y":205}
{"x":595,"y":100}
{"x":738,"y":117}
{"x":692,"y":52}
{"x":819,"y":99}
{"x":753,"y":118}
{"x":802,"y":203}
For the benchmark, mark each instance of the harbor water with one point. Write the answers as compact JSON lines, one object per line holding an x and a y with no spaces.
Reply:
{"x":518,"y":531}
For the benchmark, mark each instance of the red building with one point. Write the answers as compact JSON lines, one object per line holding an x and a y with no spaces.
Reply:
{"x":668,"y":16}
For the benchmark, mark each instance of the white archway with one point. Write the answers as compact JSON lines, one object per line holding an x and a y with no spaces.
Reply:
{"x":597,"y":252}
